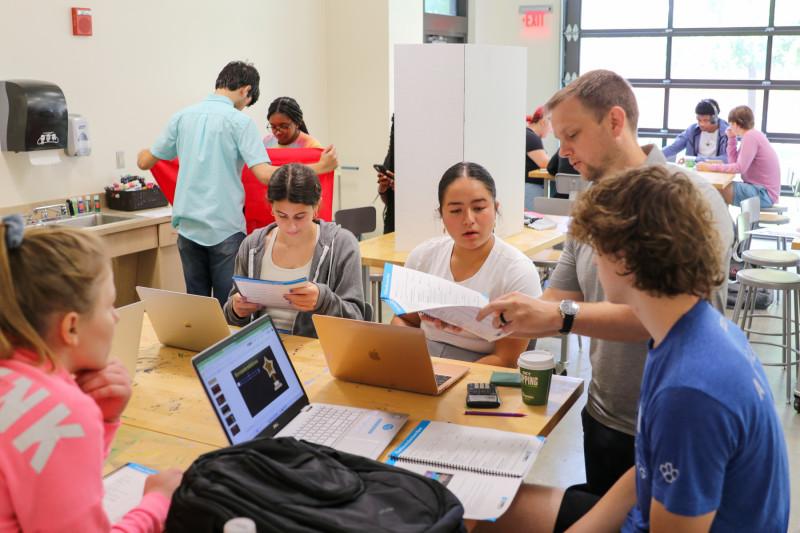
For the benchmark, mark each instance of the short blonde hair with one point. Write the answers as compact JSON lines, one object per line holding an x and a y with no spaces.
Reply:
{"x":53,"y":270}
{"x":659,"y":224}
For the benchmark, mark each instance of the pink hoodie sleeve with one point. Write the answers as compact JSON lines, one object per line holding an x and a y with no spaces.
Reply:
{"x":739,"y":160}
{"x":148,"y":516}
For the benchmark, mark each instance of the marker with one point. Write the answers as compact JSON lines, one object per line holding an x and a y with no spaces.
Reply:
{"x":495,"y":413}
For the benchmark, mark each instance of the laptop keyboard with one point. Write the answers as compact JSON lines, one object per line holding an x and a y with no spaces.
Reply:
{"x":327,"y":425}
{"x":441,"y":379}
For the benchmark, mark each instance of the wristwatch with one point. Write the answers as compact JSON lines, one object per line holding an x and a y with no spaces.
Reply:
{"x":568,"y":310}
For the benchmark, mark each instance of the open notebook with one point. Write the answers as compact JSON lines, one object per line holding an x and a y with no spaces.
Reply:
{"x":411,"y":291}
{"x":482,"y":467}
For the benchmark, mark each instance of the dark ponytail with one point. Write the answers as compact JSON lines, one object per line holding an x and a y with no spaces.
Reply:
{"x":296,"y":183}
{"x":465,"y":169}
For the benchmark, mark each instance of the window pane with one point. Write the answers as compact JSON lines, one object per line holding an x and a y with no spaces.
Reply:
{"x":651,"y":107}
{"x":720,"y":13}
{"x":630,"y":57}
{"x":683,"y":101}
{"x":725,"y":58}
{"x":623,"y":14}
{"x":782,"y":113}
{"x":785,"y":57}
{"x":789,"y":156}
{"x":787,"y":13}
{"x":441,"y":7}
{"x":651,"y":140}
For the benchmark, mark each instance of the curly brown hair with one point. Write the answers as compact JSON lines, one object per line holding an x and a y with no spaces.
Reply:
{"x":660,"y":226}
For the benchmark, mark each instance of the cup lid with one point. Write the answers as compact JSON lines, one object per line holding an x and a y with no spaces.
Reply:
{"x":536,"y":360}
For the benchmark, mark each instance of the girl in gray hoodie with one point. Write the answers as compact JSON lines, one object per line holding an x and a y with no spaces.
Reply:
{"x":298,"y":246}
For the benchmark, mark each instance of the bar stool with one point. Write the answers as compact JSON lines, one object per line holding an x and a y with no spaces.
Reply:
{"x":775,"y":208}
{"x":752,"y":279}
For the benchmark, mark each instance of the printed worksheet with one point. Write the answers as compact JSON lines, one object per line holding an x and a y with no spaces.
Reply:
{"x":412,"y":291}
{"x":123,"y":490}
{"x":266,"y":292}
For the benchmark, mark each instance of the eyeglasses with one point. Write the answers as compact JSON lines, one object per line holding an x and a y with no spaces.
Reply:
{"x":276,"y":127}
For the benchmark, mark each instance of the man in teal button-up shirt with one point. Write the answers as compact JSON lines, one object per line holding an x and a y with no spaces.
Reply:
{"x":213,"y":140}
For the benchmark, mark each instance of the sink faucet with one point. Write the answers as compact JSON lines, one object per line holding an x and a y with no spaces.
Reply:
{"x":43,"y":211}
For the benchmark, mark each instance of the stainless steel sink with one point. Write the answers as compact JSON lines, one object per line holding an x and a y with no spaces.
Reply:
{"x":89,"y":221}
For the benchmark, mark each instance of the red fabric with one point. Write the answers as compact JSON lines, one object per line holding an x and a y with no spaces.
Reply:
{"x":257,"y":211}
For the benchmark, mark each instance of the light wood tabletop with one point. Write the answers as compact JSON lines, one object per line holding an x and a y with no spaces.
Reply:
{"x":377,"y":251}
{"x":152,"y":449}
{"x":541,"y":173}
{"x":168,"y":400}
{"x":719,"y":180}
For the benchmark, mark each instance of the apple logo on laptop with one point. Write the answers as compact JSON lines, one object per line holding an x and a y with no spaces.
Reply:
{"x":373,"y":354}
{"x":187,"y":324}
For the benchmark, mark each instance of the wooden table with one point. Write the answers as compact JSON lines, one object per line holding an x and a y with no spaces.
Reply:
{"x":542,"y":174}
{"x":377,"y":251}
{"x":170,"y":412}
{"x":719,"y":180}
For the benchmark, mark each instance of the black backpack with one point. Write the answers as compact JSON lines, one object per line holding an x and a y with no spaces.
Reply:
{"x":286,"y":485}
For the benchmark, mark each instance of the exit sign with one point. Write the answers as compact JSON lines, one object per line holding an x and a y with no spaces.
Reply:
{"x":533,"y":16}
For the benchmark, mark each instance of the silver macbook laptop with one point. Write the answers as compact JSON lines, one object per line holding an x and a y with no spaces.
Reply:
{"x":127,"y":334}
{"x":255,"y":392}
{"x":383,"y":355}
{"x":184,"y":320}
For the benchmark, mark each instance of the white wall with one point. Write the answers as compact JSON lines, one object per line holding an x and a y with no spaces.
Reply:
{"x":359,"y":51}
{"x":146,"y":60}
{"x":499,"y":22}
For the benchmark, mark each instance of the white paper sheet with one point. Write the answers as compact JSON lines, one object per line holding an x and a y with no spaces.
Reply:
{"x":266,"y":292}
{"x":411,"y":291}
{"x":123,"y":490}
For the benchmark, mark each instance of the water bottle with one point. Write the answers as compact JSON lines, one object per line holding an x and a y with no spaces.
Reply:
{"x":239,"y":525}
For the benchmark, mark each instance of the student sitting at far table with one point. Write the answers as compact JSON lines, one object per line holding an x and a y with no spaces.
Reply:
{"x":471,"y":255}
{"x":710,"y":452}
{"x":755,"y":159}
{"x":298,"y":246}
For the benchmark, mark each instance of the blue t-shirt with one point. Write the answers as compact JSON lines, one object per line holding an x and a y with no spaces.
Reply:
{"x":213,"y":140}
{"x":708,"y":435}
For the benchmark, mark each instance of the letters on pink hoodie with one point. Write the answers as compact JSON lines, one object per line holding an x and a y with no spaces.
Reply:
{"x":756,"y":161}
{"x":53,"y":442}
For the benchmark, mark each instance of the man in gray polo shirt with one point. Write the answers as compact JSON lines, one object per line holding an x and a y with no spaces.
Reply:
{"x":595,"y":119}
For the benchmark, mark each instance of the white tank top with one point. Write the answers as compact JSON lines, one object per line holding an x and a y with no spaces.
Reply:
{"x":283,"y":318}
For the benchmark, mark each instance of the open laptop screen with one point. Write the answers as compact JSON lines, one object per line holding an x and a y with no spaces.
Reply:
{"x":251,"y":382}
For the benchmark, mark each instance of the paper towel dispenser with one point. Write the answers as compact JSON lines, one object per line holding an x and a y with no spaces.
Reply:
{"x":33,"y":116}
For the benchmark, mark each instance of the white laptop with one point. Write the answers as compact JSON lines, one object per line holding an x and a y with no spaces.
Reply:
{"x":127,"y":334}
{"x":255,"y":392}
{"x":184,"y":320}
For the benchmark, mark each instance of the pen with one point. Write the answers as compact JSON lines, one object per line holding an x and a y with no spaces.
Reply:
{"x":495,"y":413}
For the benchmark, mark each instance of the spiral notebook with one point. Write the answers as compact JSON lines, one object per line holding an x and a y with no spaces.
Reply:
{"x":482,"y":467}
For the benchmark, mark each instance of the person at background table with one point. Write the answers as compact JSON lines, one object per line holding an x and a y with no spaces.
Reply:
{"x":538,"y":127}
{"x":298,"y":245}
{"x":213,"y":140}
{"x":706,"y":139}
{"x":473,"y":256}
{"x":707,"y":441}
{"x":287,"y":127}
{"x":386,"y":184}
{"x":60,"y":396}
{"x":559,"y":165}
{"x":755,"y":160}
{"x":595,"y":117}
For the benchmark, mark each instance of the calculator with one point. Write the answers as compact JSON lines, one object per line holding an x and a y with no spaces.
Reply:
{"x":482,"y":395}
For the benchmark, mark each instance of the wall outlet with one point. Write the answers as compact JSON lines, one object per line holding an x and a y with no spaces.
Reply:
{"x":120,"y":159}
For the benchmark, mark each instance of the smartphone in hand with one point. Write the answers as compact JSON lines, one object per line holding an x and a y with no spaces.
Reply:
{"x":380,"y":169}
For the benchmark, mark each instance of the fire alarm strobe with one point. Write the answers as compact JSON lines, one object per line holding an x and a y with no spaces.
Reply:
{"x":81,"y":21}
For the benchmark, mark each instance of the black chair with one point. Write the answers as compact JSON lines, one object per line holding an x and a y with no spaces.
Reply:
{"x":361,"y":220}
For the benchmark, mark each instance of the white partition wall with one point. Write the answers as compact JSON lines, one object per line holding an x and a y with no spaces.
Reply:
{"x":456,"y":102}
